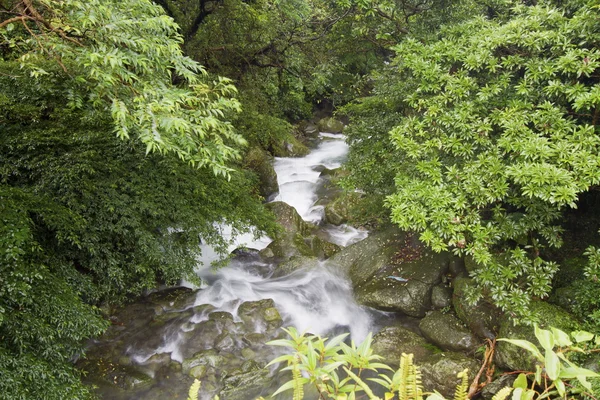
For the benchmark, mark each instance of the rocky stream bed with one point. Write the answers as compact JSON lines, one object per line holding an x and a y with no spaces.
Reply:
{"x":319,"y":275}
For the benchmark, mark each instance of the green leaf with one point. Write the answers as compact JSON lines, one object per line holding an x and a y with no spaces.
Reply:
{"x":552,"y":364}
{"x":545,"y":337}
{"x":521,"y":382}
{"x":527,"y":345}
{"x":582,"y":336}
{"x":561,"y":338}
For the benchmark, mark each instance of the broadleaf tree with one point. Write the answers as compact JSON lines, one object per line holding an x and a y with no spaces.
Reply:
{"x":499,"y":134}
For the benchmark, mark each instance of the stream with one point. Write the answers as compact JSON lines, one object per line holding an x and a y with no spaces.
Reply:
{"x":209,"y":331}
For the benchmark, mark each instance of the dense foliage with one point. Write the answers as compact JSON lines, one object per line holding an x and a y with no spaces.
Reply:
{"x":98,"y":107}
{"x":496,"y":133}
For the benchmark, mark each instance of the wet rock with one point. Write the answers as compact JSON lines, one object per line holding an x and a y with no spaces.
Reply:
{"x":331,"y":125}
{"x":482,"y":318}
{"x":157,"y":361}
{"x":291,"y":241}
{"x":296,"y":263}
{"x":511,"y":357}
{"x":261,"y":163}
{"x":289,"y":146}
{"x":490,"y":390}
{"x":447,"y":332}
{"x":441,"y":296}
{"x":260,"y":316}
{"x":252,"y":382}
{"x":202,"y":337}
{"x":255,"y":339}
{"x":439,"y":372}
{"x":321,"y":248}
{"x":172,"y":299}
{"x":248,"y":354}
{"x":391,"y":342}
{"x":337,"y":211}
{"x":224,"y":342}
{"x":393,"y":272}
{"x":208,"y":358}
{"x":198,"y":372}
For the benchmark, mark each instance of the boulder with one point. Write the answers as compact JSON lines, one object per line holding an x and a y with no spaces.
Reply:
{"x":448,"y":332}
{"x":329,"y":124}
{"x":260,"y":316}
{"x":292,"y":240}
{"x":337,"y":211}
{"x":208,"y":358}
{"x":441,"y":297}
{"x":511,"y":357}
{"x":392,"y":341}
{"x":481,"y":318}
{"x":492,"y":388}
{"x":249,"y":383}
{"x":439,"y":372}
{"x":289,"y":146}
{"x":391,"y":271}
{"x":261,"y":163}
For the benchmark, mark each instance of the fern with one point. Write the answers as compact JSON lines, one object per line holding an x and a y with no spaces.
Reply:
{"x":194,"y":389}
{"x":297,"y":379}
{"x":462,"y":389}
{"x":503,"y":393}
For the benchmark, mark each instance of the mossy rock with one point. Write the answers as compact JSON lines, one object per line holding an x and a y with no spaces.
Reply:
{"x":251,"y":382}
{"x":441,"y":297}
{"x":482,"y":318}
{"x":289,"y":219}
{"x":296,"y":263}
{"x":208,"y":358}
{"x":338,"y":211}
{"x":448,"y":332}
{"x":261,"y":163}
{"x":330,"y":125}
{"x":290,"y":146}
{"x":511,"y":357}
{"x":392,"y":341}
{"x":373,"y":263}
{"x":321,"y":248}
{"x":439,"y":372}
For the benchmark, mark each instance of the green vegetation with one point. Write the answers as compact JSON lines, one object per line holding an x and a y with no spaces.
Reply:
{"x":493,"y":133}
{"x":474,"y":123}
{"x":335,"y":368}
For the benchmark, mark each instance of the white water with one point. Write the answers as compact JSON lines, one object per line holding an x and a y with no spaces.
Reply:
{"x":313,"y":298}
{"x":299,"y":178}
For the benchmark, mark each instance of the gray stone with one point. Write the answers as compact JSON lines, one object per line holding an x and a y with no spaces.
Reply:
{"x":331,"y":125}
{"x":495,"y":386}
{"x":511,"y":357}
{"x":392,"y":341}
{"x":439,"y":372}
{"x":482,"y":318}
{"x":261,"y":163}
{"x":208,"y":358}
{"x":447,"y":332}
{"x":246,"y":385}
{"x":390,"y":271}
{"x":441,"y":296}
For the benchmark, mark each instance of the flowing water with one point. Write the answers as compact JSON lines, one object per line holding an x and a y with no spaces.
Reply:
{"x":314,"y":298}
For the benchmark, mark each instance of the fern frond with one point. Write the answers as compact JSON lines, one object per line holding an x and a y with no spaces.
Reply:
{"x":297,"y":378}
{"x":462,"y":389}
{"x":503,"y":393}
{"x":194,"y":389}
